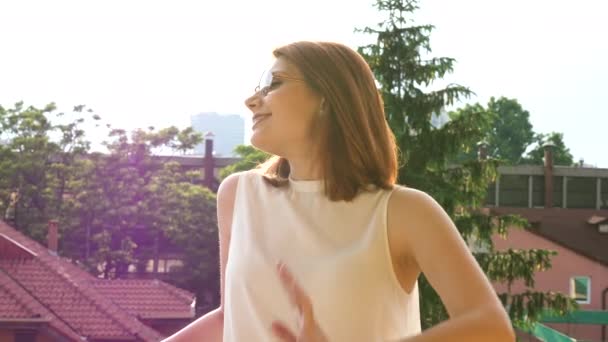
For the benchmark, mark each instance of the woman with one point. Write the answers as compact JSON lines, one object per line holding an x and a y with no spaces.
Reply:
{"x":320,"y":244}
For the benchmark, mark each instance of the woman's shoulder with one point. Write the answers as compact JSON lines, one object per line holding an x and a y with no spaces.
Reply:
{"x":227,"y":189}
{"x":231,"y":183}
{"x":407,"y":205}
{"x":410,"y":199}
{"x":413,"y":213}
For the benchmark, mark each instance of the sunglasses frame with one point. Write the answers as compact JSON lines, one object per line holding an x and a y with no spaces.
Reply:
{"x":266,"y":89}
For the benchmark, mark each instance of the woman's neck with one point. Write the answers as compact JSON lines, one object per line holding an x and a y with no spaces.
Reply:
{"x":304,"y":169}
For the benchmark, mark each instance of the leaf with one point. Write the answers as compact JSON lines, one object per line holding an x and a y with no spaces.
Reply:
{"x":443,"y":161}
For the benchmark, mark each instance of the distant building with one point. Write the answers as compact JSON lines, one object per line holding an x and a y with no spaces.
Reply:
{"x":228,"y":131}
{"x":567,"y":211}
{"x":209,"y":164}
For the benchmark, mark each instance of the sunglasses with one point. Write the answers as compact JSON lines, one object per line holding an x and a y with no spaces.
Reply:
{"x":270,"y":81}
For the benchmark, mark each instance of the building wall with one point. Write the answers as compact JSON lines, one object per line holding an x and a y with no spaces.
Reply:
{"x":7,"y":335}
{"x":566,"y":264}
{"x":44,"y":338}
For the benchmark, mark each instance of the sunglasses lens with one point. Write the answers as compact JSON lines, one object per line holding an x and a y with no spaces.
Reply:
{"x":266,"y":79}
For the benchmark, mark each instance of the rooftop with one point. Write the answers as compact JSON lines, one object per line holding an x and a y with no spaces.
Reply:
{"x":40,"y":287}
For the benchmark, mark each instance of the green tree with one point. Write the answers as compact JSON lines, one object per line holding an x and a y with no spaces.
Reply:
{"x":511,"y":132}
{"x":115,"y":209}
{"x":399,"y":61}
{"x":561,"y":154}
{"x":508,"y":135}
{"x":188,"y":219}
{"x":33,"y":166}
{"x":129,"y":206}
{"x":250,"y":157}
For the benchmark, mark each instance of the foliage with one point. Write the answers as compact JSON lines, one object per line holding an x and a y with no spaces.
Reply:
{"x":400,"y":64}
{"x":33,"y":167}
{"x":510,"y":134}
{"x":561,"y":154}
{"x":116,"y":210}
{"x":250,"y":157}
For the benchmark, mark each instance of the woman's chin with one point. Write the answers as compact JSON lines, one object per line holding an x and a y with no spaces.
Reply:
{"x":263,"y":144}
{"x":258,"y":141}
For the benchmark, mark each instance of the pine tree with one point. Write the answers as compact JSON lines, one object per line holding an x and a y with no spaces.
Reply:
{"x":405,"y":73}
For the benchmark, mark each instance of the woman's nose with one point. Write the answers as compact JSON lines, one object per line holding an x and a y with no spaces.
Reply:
{"x":253,"y":102}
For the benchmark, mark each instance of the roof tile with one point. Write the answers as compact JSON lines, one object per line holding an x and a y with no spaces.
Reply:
{"x":35,"y":282}
{"x":567,"y":227}
{"x":148,"y":298}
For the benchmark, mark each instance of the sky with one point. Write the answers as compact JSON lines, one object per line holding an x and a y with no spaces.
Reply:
{"x":141,"y":63}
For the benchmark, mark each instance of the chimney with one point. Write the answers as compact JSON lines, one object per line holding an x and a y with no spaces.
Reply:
{"x":482,"y":150}
{"x":208,"y":161}
{"x":209,"y":145}
{"x":548,"y":147}
{"x":52,"y":235}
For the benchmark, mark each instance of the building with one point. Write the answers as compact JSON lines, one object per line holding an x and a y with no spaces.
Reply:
{"x":228,"y":132}
{"x":209,"y":164}
{"x":567,"y":211}
{"x":44,"y":297}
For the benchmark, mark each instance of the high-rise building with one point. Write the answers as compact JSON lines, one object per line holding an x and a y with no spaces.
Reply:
{"x":228,"y":132}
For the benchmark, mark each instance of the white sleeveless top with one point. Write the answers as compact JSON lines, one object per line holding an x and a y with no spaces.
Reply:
{"x":337,"y":251}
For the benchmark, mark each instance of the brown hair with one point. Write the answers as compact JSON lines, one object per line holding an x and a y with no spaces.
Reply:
{"x":357,"y":146}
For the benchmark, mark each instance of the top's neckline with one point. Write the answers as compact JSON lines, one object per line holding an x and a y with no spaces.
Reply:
{"x":306,"y":185}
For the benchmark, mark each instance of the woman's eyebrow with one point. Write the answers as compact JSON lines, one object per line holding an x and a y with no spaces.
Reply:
{"x":285,"y":75}
{"x":280,"y":73}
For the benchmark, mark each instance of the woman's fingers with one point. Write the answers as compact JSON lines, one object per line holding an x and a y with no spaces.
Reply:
{"x":296,"y":294}
{"x":309,"y":330}
{"x":283,"y":333}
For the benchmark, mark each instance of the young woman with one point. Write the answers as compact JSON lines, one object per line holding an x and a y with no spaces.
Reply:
{"x":320,"y":244}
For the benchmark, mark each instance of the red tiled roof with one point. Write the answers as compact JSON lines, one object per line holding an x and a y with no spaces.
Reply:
{"x":65,"y":299}
{"x":11,"y":303}
{"x":567,"y":227}
{"x":35,"y":282}
{"x":17,"y":303}
{"x":149,"y":299}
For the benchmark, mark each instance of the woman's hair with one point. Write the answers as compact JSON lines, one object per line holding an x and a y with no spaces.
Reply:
{"x":357,"y":147}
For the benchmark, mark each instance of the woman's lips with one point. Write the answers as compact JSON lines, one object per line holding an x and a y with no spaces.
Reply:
{"x":257,"y":118}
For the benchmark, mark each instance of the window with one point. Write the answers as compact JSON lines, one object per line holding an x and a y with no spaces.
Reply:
{"x":604,"y":194}
{"x":173,"y":265}
{"x":580,"y":289}
{"x":165,"y":265}
{"x":538,"y":191}
{"x":558,"y":191}
{"x":513,"y":191}
{"x":582,"y":192}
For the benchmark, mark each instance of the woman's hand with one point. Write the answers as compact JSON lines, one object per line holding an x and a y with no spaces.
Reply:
{"x":309,"y":330}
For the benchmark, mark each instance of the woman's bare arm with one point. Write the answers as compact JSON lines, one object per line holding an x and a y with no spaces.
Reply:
{"x":210,"y":326}
{"x":422,"y":234}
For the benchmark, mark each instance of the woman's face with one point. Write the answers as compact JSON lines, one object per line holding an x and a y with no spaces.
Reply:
{"x":284,"y":111}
